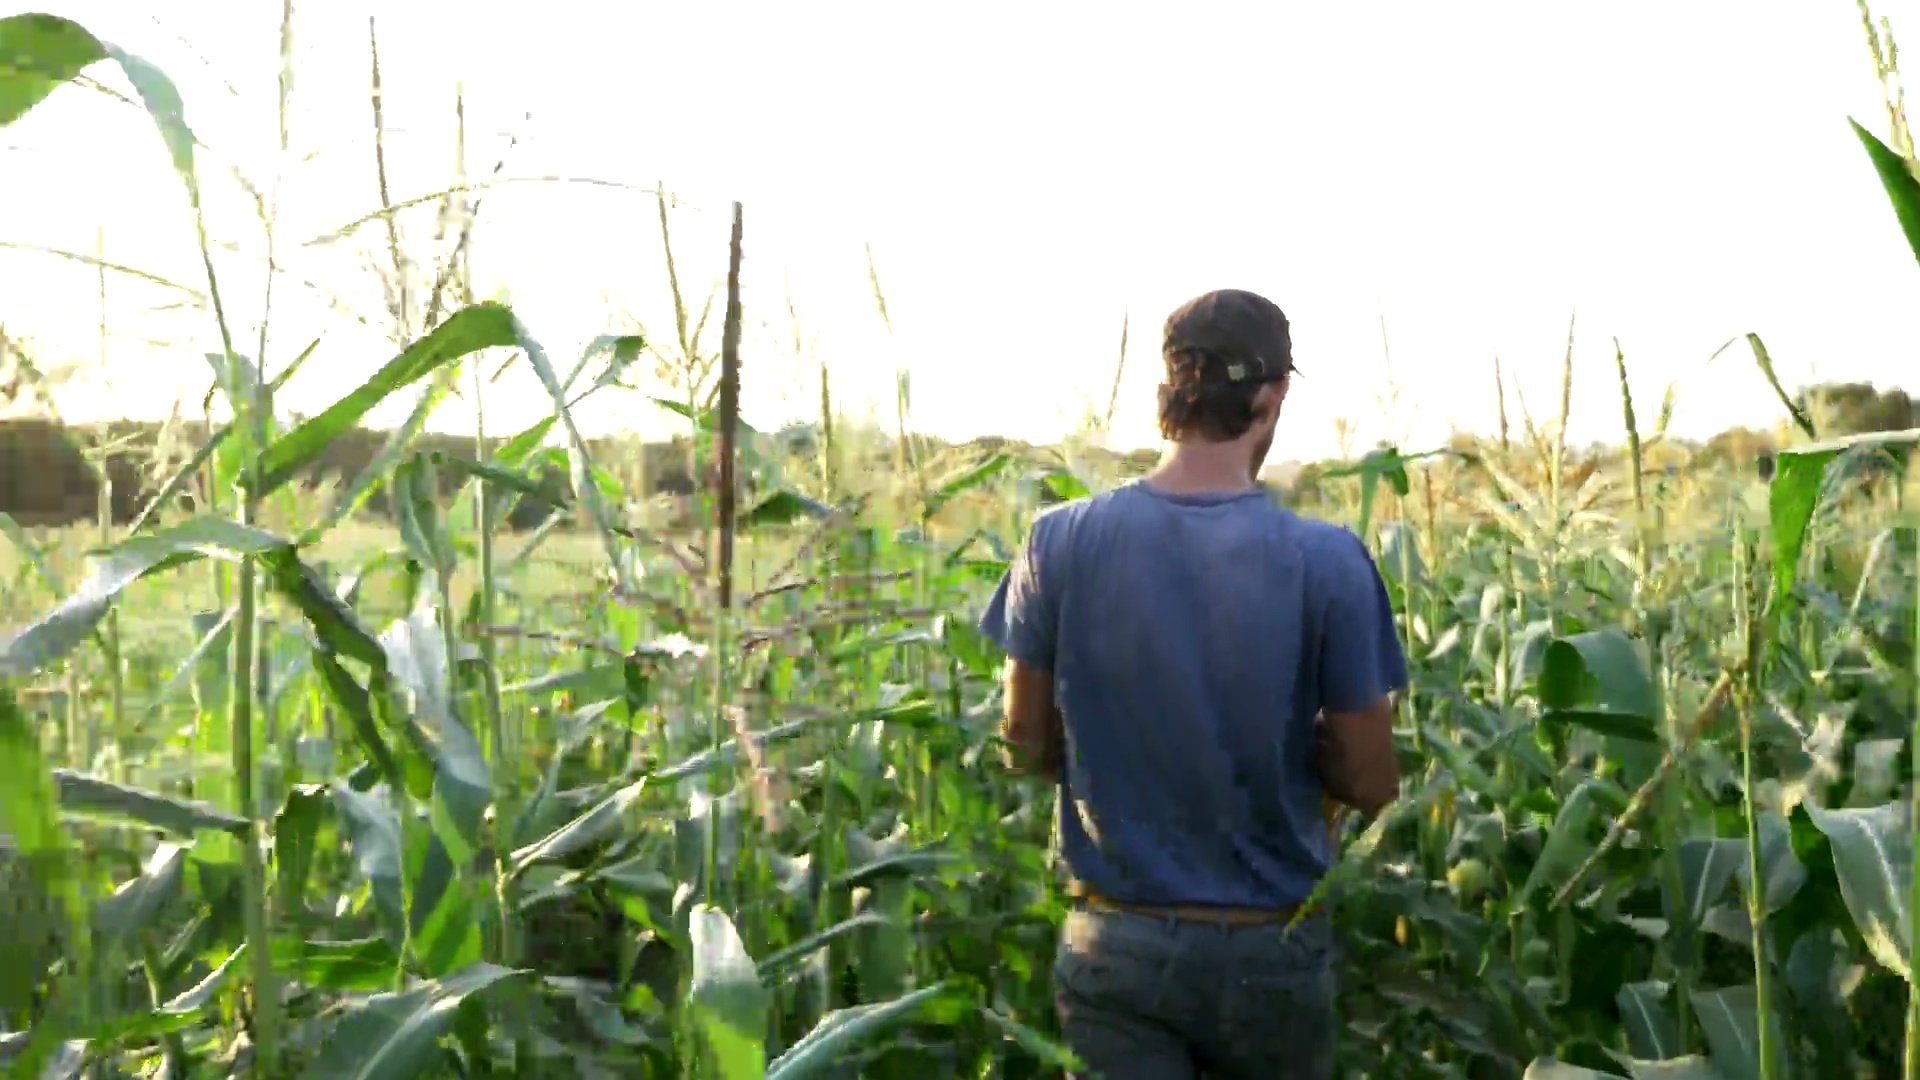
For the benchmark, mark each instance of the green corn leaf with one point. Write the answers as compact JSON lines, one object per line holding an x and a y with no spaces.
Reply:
{"x":1599,"y":680}
{"x":110,"y":571}
{"x":843,"y":1030}
{"x":1897,"y":176}
{"x":728,"y":1003}
{"x":482,"y":326}
{"x":395,"y":1036}
{"x":91,"y":798}
{"x":963,"y":482}
{"x":1873,"y":858}
{"x":1793,"y":493}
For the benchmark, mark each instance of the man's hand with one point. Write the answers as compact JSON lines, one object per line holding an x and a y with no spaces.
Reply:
{"x":1032,"y":726}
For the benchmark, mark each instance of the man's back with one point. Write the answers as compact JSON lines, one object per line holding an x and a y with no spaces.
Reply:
{"x":1192,"y":641}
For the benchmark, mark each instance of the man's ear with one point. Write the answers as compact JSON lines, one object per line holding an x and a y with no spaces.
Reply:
{"x":1272,"y":395}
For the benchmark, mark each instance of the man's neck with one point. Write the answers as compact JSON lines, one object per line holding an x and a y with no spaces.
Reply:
{"x":1203,"y":469}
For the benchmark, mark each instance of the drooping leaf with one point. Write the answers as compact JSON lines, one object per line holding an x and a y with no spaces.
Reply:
{"x":1048,"y":1051}
{"x":783,"y":507}
{"x":1903,"y":188}
{"x":1707,"y":866}
{"x":964,"y":481}
{"x":94,"y":799}
{"x":601,"y":820}
{"x":391,"y":1036}
{"x":110,"y":571}
{"x":1873,"y":858}
{"x":1598,"y":679}
{"x":1731,"y":1020}
{"x":467,"y":331}
{"x":1567,"y":843}
{"x":373,"y":835}
{"x":1798,"y":476}
{"x":134,"y":906}
{"x":726,"y":998}
{"x":1652,"y":1032}
{"x":416,"y":652}
{"x":843,"y":1030}
{"x":40,"y":52}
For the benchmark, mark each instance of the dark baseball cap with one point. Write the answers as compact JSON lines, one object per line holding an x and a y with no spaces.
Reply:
{"x":1245,"y":335}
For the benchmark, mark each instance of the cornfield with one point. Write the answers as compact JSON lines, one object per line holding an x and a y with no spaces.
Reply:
{"x":287,"y":792}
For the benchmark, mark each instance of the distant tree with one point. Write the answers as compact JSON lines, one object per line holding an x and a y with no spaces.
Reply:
{"x":1741,"y":448}
{"x":1854,"y":408}
{"x":1839,"y":409}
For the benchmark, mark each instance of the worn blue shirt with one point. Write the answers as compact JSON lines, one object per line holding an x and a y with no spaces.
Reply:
{"x":1192,"y":640}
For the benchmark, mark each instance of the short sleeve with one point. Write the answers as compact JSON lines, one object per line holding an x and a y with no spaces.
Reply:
{"x":1022,"y":615}
{"x":1360,"y":655}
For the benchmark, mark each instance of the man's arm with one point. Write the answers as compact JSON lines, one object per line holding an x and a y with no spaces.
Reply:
{"x":1362,"y":666}
{"x":1036,"y":738}
{"x":1357,"y":763}
{"x":1022,"y":619}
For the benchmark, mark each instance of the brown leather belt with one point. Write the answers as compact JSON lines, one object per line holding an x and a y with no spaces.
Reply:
{"x":1224,"y":916}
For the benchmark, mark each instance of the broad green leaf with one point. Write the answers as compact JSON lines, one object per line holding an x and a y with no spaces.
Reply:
{"x":1600,"y":680}
{"x":1820,"y":969}
{"x":783,"y":507}
{"x":726,"y":997}
{"x":1873,"y":858}
{"x":1568,"y":842}
{"x":392,"y":452}
{"x":1063,"y":485}
{"x":1050,"y":1053}
{"x":296,"y":831}
{"x":603,"y":819}
{"x":1706,"y":868}
{"x":340,"y":966}
{"x":482,"y":326}
{"x":184,"y":1008}
{"x":28,"y":814}
{"x":110,"y":571}
{"x":1731,"y":1020}
{"x":1652,"y":1032}
{"x":1798,"y":477}
{"x":354,"y":700}
{"x":397,"y":1035}
{"x":621,"y":351}
{"x":843,"y":1030}
{"x":1903,"y":188}
{"x":39,"y":52}
{"x":578,"y":455}
{"x":771,"y":967}
{"x":963,"y":482}
{"x":91,"y":798}
{"x":373,"y":835}
{"x":134,"y":906}
{"x":416,"y":652}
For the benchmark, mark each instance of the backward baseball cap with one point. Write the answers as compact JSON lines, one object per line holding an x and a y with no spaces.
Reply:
{"x":1245,"y":335}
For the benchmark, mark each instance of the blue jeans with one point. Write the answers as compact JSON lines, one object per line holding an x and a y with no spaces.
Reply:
{"x":1141,"y":996}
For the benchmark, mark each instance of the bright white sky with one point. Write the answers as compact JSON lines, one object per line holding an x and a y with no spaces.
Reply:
{"x":1472,"y":174}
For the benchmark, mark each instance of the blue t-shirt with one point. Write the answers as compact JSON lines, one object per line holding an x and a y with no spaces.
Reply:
{"x":1192,"y":640}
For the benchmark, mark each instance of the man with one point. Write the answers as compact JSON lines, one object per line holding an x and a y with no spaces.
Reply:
{"x":1169,"y":647}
